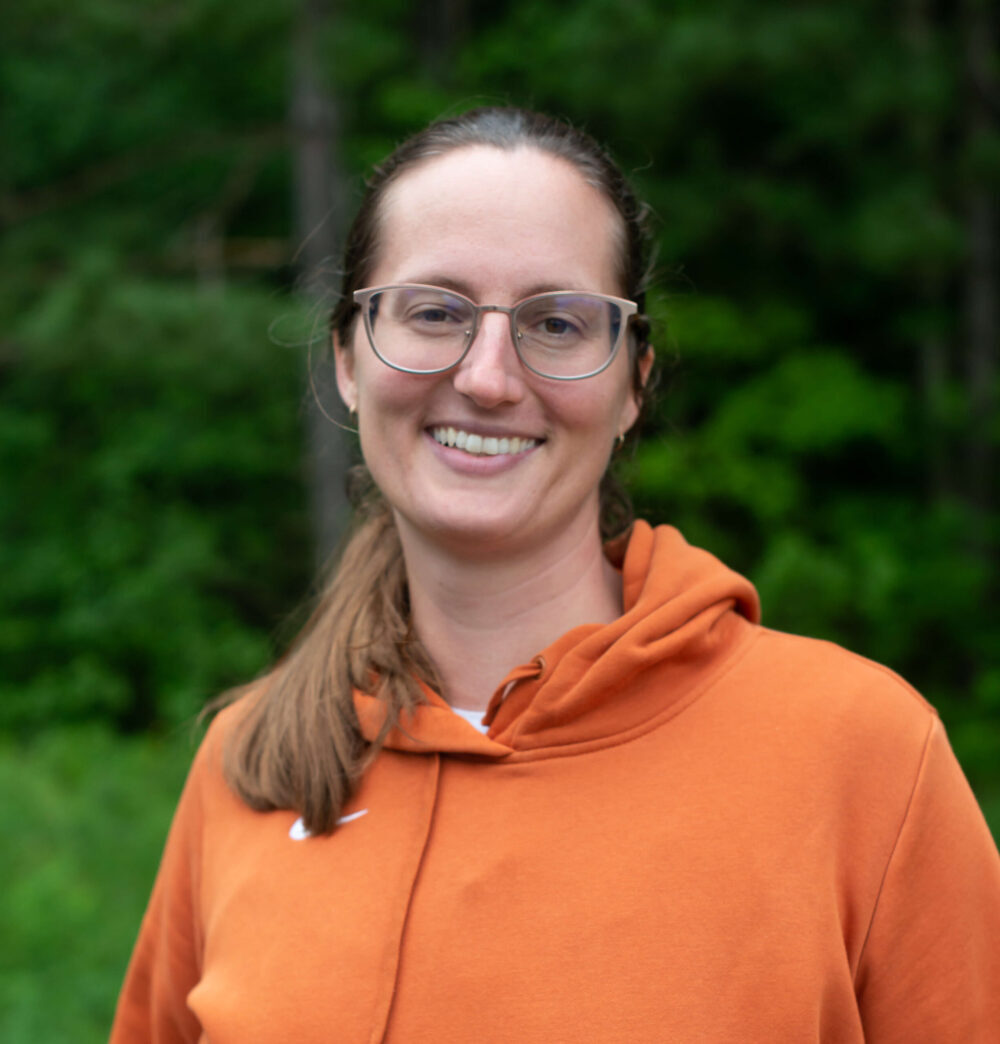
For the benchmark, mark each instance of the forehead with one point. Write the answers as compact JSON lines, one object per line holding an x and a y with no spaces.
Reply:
{"x":499,"y":219}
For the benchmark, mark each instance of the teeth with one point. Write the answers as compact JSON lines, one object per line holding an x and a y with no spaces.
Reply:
{"x":480,"y":445}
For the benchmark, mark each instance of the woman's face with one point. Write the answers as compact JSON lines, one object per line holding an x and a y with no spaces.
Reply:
{"x":496,"y":226}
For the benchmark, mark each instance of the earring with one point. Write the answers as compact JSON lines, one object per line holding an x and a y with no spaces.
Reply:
{"x":620,"y":441}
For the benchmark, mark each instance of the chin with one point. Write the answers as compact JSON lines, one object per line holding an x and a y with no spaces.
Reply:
{"x":477,"y":534}
{"x":469,"y":529}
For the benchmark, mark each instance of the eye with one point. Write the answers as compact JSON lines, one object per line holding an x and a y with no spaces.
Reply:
{"x":431,"y":314}
{"x":557,"y":326}
{"x":554,"y":328}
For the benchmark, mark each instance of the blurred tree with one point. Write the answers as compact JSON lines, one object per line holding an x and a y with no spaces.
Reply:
{"x":441,"y":26}
{"x":152,"y":532}
{"x":320,"y":225}
{"x":982,"y":278}
{"x":931,"y":272}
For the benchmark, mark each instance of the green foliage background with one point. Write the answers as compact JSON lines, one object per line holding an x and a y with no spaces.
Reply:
{"x":809,"y":169}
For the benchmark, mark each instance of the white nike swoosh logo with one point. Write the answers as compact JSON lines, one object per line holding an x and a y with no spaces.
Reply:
{"x":299,"y":832}
{"x":352,"y":816}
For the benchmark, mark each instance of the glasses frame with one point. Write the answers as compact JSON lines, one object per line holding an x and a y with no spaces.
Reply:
{"x":362,"y":298}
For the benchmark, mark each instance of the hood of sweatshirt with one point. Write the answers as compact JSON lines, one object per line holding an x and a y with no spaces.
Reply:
{"x":686,"y":615}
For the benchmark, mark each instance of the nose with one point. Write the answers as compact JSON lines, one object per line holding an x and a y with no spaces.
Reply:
{"x":491,"y":373}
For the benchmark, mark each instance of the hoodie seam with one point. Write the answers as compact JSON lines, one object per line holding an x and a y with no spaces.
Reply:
{"x":899,"y":683}
{"x":903,"y":822}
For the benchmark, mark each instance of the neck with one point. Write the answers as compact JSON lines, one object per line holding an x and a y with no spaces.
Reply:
{"x":479,"y":617}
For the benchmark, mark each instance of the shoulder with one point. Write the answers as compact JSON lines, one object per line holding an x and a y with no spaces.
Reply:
{"x":847,"y":720}
{"x":847,"y":749}
{"x":206,"y":777}
{"x":815,"y":676}
{"x":231,"y":714}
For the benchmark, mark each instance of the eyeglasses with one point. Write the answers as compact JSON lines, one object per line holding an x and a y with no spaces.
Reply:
{"x":564,"y":335}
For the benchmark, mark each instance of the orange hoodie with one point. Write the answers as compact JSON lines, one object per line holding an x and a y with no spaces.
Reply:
{"x":681,"y":827}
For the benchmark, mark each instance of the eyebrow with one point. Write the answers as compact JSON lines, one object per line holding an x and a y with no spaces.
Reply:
{"x":461,"y":287}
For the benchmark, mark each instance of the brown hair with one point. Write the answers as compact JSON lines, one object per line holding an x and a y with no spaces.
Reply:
{"x":299,"y":745}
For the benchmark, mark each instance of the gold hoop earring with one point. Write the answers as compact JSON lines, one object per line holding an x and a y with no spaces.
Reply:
{"x":620,"y":441}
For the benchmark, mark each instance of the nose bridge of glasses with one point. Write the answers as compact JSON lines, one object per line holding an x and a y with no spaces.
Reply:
{"x":478,"y":325}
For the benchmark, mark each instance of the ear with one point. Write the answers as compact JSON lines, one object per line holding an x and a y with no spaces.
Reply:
{"x":633,"y":404}
{"x":346,"y":385}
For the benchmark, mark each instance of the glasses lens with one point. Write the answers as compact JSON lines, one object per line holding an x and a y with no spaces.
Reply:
{"x":419,"y":329}
{"x":567,"y":335}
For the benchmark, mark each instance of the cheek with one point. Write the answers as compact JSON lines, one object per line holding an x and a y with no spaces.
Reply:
{"x":593,"y":408}
{"x":385,"y":391}
{"x":391,"y":407}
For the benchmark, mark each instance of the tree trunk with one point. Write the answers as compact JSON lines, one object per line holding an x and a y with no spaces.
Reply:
{"x":440,"y":27}
{"x":318,"y":210}
{"x":982,"y":276}
{"x":932,"y":348}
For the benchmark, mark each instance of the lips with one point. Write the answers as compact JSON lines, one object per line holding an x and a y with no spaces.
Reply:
{"x":482,"y":445}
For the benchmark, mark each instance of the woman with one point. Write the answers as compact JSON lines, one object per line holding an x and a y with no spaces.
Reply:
{"x":514,"y":783}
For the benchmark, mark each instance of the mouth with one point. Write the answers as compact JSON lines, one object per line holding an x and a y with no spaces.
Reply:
{"x":482,"y":445}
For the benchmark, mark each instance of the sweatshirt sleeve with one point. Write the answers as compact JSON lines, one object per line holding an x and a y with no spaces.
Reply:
{"x":930,"y":968}
{"x":166,"y":961}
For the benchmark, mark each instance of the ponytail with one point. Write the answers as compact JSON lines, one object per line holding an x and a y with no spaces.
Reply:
{"x":299,"y":745}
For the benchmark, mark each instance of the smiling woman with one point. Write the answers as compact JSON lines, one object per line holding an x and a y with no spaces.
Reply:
{"x":533,"y":771}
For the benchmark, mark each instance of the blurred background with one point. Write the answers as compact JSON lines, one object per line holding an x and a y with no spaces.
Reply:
{"x":174,"y":181}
